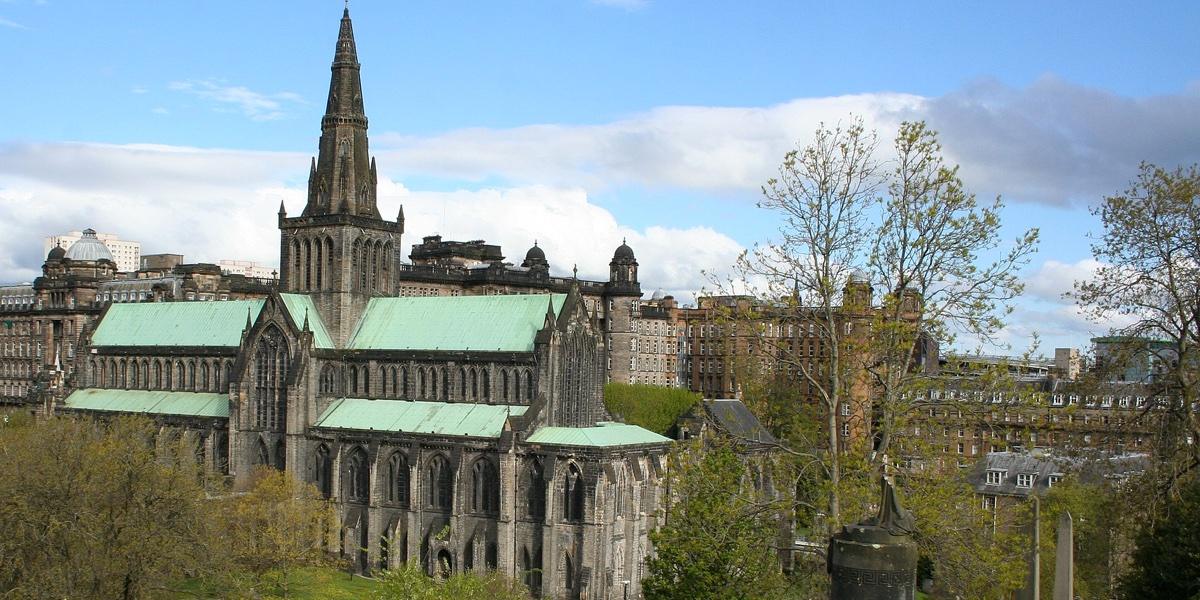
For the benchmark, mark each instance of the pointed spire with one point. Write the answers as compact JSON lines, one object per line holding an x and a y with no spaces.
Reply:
{"x":305,"y":328}
{"x":248,"y":323}
{"x":282,"y":210}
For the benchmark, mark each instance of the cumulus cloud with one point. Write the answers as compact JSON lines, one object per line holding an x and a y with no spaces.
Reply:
{"x":708,"y":148}
{"x":1051,"y":142}
{"x":216,"y":204}
{"x":255,"y":105}
{"x":1054,"y":279}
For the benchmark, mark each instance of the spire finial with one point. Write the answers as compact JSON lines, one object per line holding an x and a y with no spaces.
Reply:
{"x":622,"y":239}
{"x":575,"y":271}
{"x":305,"y":327}
{"x":535,"y":242}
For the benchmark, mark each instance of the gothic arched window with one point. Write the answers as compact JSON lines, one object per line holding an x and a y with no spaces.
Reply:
{"x":487,"y":386}
{"x":270,"y":379}
{"x":180,"y":380}
{"x":504,"y":385}
{"x":397,"y":483}
{"x":462,"y":384}
{"x":324,"y":471}
{"x":204,"y":376}
{"x":439,"y":483}
{"x":535,"y":486}
{"x":573,"y":495}
{"x":358,"y":488}
{"x":529,"y":385}
{"x":474,"y":385}
{"x":485,"y":492}
{"x":134,"y":379}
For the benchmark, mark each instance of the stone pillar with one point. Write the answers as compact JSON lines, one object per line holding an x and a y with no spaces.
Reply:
{"x":876,"y":559}
{"x":1064,"y":561}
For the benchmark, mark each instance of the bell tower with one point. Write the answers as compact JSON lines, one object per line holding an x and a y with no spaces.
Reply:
{"x":340,"y":250}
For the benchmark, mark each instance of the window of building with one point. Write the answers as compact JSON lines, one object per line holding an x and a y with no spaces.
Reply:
{"x":439,"y":483}
{"x":358,"y":487}
{"x":1025,"y":480}
{"x":1054,"y":479}
{"x":996,"y":476}
{"x":485,"y":489}
{"x":573,"y":495}
{"x":397,"y":488}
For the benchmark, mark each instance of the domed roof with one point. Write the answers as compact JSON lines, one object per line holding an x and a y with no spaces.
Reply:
{"x":535,"y":253}
{"x":56,"y":253}
{"x":624,"y":252}
{"x":658,"y":294}
{"x":859,"y":276}
{"x":89,"y":247}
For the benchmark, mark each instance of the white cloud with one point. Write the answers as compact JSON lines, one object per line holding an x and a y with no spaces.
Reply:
{"x":1052,"y":142}
{"x":11,"y":24}
{"x":216,"y":204}
{"x":1055,"y":278}
{"x":711,"y":148}
{"x":255,"y":105}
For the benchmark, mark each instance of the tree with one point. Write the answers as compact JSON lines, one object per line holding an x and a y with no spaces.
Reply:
{"x":1150,"y":275}
{"x":1164,"y":562}
{"x":93,"y":509}
{"x":279,"y":525}
{"x":410,"y":583}
{"x":718,"y":534}
{"x":813,"y":347}
{"x":652,"y":407}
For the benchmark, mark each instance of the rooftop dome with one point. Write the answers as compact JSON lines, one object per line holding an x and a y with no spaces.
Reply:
{"x":89,"y":247}
{"x":56,"y":253}
{"x":535,"y":253}
{"x":859,"y":276}
{"x":624,"y":252}
{"x":658,"y":294}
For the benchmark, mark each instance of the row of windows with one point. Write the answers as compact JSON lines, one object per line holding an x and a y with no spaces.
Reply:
{"x":466,"y":384}
{"x":484,"y":492}
{"x":159,"y":374}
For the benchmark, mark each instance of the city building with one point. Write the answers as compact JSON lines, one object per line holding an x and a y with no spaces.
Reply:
{"x":248,"y":268}
{"x":126,"y":254}
{"x":461,"y":426}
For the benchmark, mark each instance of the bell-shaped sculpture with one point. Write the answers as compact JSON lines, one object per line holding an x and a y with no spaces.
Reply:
{"x":877,"y":558}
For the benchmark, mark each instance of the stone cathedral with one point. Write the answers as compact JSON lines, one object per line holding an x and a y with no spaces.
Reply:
{"x":459,"y":432}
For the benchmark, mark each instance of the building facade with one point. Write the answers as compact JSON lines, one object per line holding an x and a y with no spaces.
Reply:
{"x":463,"y":429}
{"x":125,"y":253}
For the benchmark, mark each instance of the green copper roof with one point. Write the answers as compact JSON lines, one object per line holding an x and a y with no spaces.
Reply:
{"x":176,"y":323}
{"x":436,"y":418}
{"x":603,"y":435}
{"x":299,"y":305}
{"x":191,"y":404}
{"x":483,"y":323}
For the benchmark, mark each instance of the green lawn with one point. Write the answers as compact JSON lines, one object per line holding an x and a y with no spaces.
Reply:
{"x":305,"y":584}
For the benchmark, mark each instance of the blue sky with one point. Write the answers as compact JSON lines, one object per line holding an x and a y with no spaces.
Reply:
{"x":577,"y":123}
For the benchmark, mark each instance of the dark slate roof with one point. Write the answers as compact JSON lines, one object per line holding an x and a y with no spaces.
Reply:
{"x":1042,"y":465}
{"x":733,"y":417}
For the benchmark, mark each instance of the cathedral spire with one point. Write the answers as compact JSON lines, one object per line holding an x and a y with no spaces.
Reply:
{"x":343,"y":179}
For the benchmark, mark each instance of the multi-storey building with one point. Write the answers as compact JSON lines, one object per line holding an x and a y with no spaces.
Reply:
{"x":41,"y":322}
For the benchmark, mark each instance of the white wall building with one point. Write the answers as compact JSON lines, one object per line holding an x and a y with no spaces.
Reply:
{"x":248,"y":268}
{"x":127,"y":254}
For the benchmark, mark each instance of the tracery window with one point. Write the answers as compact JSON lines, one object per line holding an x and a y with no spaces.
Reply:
{"x":485,"y":492}
{"x":535,"y":487}
{"x":358,"y":488}
{"x":397,"y":484}
{"x":324,"y":471}
{"x":439,"y":483}
{"x":573,"y":495}
{"x":270,"y":372}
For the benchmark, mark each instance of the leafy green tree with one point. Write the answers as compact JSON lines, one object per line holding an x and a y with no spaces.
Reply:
{"x":652,"y":407}
{"x":719,"y":532}
{"x":278,"y":526}
{"x":937,"y":255}
{"x":93,"y":510}
{"x":1166,"y":559}
{"x":1150,"y":276}
{"x":411,"y":583}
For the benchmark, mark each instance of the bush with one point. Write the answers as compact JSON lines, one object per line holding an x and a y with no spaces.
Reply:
{"x":651,"y":407}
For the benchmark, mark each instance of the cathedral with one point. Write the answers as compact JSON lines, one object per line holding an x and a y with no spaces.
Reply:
{"x":461,"y":432}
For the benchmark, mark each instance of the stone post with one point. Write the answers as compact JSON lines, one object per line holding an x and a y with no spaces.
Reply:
{"x":1064,"y":559}
{"x":876,"y":559}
